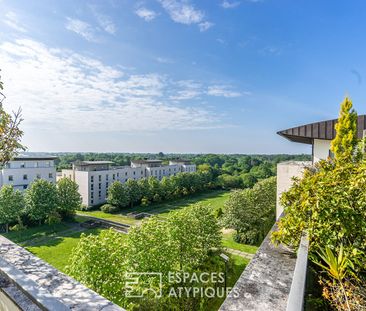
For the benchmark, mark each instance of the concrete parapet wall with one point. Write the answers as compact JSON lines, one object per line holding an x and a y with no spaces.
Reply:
{"x":285,"y":172}
{"x":44,"y":285}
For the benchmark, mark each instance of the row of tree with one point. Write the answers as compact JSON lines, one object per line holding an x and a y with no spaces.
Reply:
{"x":147,"y":190}
{"x":184,"y":242}
{"x":41,"y":201}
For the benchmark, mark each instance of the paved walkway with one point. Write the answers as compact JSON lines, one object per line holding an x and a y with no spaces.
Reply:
{"x":239,"y":253}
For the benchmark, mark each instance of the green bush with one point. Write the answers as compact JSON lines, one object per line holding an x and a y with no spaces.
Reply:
{"x":110,"y":209}
{"x":84,"y":207}
{"x":18,"y":227}
{"x":53,"y":218}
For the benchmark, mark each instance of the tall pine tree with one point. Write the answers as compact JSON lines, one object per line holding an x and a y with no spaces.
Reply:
{"x":343,"y":145}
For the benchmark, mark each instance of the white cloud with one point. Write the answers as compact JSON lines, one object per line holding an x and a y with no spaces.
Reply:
{"x":164,"y":60}
{"x":106,"y":23}
{"x":230,"y":5}
{"x":271,"y":50}
{"x":183,"y":12}
{"x":224,"y":91}
{"x":81,"y":28}
{"x":146,"y":14}
{"x":205,"y":26}
{"x":186,"y":89}
{"x":60,"y":90}
{"x":12,"y":20}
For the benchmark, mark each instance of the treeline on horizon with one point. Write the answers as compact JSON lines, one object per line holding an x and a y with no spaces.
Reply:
{"x":65,"y":159}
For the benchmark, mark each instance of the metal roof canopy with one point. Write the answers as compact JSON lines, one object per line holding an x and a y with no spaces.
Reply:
{"x":319,"y":130}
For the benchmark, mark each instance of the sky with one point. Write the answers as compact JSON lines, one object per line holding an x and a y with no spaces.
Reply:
{"x":183,"y":76}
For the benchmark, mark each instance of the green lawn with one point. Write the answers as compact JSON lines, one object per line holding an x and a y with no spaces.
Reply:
{"x":57,"y":251}
{"x":229,"y":242}
{"x":36,"y":232}
{"x":120,"y":218}
{"x":215,"y":199}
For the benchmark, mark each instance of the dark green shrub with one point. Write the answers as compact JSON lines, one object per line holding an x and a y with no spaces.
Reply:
{"x":110,"y":209}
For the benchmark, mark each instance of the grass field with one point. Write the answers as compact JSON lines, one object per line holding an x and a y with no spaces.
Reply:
{"x":215,"y":199}
{"x":57,"y":251}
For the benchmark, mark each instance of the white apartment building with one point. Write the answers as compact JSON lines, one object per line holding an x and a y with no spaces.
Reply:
{"x":22,"y":170}
{"x":94,"y":177}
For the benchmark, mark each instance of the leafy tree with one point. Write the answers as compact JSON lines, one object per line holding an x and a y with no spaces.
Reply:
{"x":69,"y":198}
{"x":195,"y":231}
{"x":98,"y":261}
{"x":150,"y":247}
{"x":10,"y":133}
{"x":118,"y":195}
{"x":41,"y":199}
{"x":227,"y":181}
{"x":346,"y":132}
{"x":133,"y":191}
{"x":248,"y":180}
{"x":11,"y":205}
{"x":251,"y":212}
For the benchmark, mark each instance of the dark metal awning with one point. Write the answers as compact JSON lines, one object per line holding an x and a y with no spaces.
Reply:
{"x":319,"y":130}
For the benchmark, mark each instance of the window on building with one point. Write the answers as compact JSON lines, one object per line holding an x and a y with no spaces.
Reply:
{"x":107,"y":177}
{"x":117,"y":175}
{"x":25,"y":186}
{"x":92,"y":201}
{"x":91,"y":178}
{"x":22,"y":165}
{"x":36,"y":164}
{"x":38,"y":176}
{"x":106,"y":184}
{"x":125,"y":179}
{"x":142,"y":172}
{"x":100,"y":194}
{"x":25,"y":177}
{"x":50,"y":175}
{"x":100,"y":186}
{"x":126,"y":174}
{"x":92,"y":195}
{"x":134,"y":172}
{"x":100,"y":177}
{"x":10,"y":178}
{"x":114,"y":176}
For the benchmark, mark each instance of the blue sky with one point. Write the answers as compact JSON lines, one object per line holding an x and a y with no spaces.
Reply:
{"x":179,"y":75}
